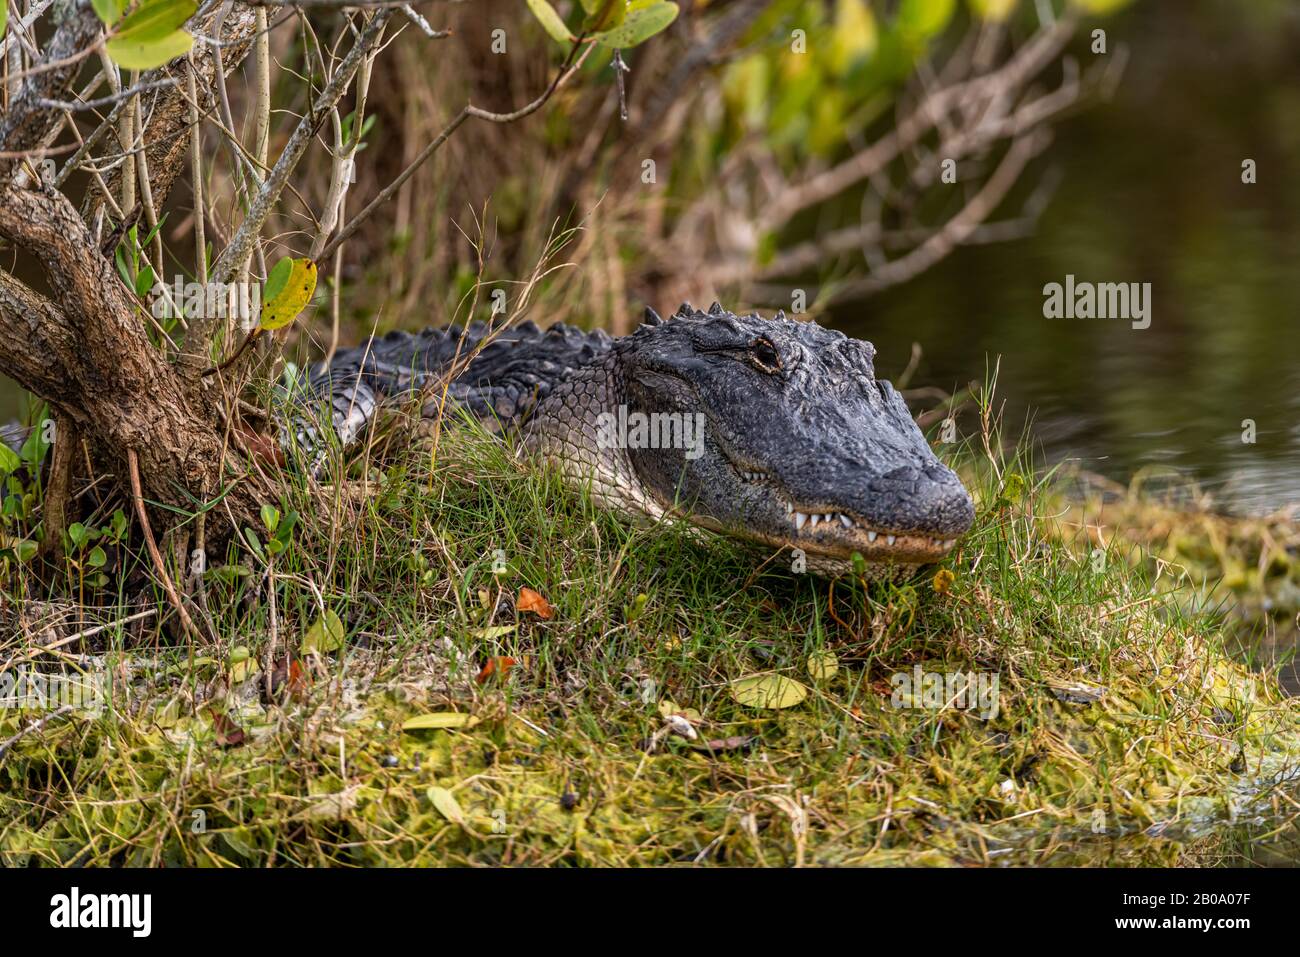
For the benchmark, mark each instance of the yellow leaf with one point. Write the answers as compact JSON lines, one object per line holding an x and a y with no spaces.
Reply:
{"x":242,"y":665}
{"x":855,"y":34}
{"x":943,"y":580}
{"x":1101,"y":6}
{"x":292,"y":298}
{"x":439,"y":719}
{"x":768,"y":691}
{"x":823,"y":665}
{"x":669,"y":707}
{"x":995,"y":10}
{"x":326,"y":635}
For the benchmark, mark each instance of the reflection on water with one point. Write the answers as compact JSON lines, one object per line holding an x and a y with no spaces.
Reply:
{"x":1150,"y":191}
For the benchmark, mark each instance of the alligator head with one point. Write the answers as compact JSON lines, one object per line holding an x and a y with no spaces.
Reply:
{"x":778,"y":432}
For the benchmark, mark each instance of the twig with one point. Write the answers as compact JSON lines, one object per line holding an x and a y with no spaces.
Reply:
{"x":34,"y":726}
{"x":137,"y":494}
{"x":242,"y":242}
{"x":109,"y":100}
{"x":90,"y":632}
{"x":388,"y":192}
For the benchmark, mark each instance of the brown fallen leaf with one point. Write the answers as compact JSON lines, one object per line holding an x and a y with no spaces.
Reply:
{"x":495,"y":666}
{"x":262,"y":446}
{"x":289,"y":675}
{"x":530,"y":600}
{"x":229,"y":734}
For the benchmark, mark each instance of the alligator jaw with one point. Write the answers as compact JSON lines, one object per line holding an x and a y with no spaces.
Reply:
{"x":837,"y":536}
{"x":827,"y":529}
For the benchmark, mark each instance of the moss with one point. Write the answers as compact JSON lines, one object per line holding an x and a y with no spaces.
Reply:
{"x":1125,"y":733}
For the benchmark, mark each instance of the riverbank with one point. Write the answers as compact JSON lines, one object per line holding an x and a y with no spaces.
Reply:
{"x":517,"y":677}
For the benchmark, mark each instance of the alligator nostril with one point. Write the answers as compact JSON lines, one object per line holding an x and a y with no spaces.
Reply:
{"x":904,"y":473}
{"x":904,"y":479}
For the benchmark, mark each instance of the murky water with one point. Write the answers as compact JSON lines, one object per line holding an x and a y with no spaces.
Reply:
{"x":1150,"y":191}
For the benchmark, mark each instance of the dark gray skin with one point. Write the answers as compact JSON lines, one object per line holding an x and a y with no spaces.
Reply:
{"x":802,"y":446}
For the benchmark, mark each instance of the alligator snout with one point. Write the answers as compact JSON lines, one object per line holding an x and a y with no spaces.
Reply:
{"x":927,"y":500}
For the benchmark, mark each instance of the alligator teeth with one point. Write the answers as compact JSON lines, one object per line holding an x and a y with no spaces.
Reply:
{"x":846,"y":521}
{"x":871,"y":536}
{"x":788,"y":508}
{"x":799,"y":519}
{"x":813,"y":520}
{"x":890,"y":539}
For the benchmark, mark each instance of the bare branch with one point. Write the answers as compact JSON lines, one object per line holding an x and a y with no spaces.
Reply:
{"x":241,"y":243}
{"x":27,"y":122}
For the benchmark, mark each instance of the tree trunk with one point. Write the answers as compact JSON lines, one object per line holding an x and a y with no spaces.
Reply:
{"x":86,"y":352}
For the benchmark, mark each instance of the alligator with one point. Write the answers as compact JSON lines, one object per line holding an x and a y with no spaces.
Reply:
{"x":772,"y":431}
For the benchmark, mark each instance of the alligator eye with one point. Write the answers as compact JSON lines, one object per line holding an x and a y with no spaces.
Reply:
{"x":764,"y":355}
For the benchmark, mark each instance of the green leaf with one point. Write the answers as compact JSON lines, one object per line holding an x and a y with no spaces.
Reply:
{"x":439,"y":719}
{"x":25,"y":550}
{"x":109,"y":11}
{"x":97,"y":558}
{"x":603,"y":14}
{"x":551,"y":21}
{"x":326,"y":635}
{"x":144,"y":281}
{"x":919,"y":20}
{"x":4,"y":16}
{"x":292,"y":297}
{"x":77,"y":532}
{"x":644,"y":19}
{"x":35,"y":448}
{"x":270,"y":518}
{"x":446,"y":805}
{"x":768,"y":691}
{"x":9,"y":460}
{"x":155,"y":21}
{"x":276,"y":278}
{"x":285,"y":529}
{"x":138,"y":55}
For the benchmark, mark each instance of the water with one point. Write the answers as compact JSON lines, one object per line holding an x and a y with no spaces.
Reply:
{"x":1150,"y":190}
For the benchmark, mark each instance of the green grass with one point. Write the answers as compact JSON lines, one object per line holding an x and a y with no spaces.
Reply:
{"x":568,"y":759}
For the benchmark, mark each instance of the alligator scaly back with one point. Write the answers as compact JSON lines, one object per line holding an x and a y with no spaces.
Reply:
{"x":501,"y":385}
